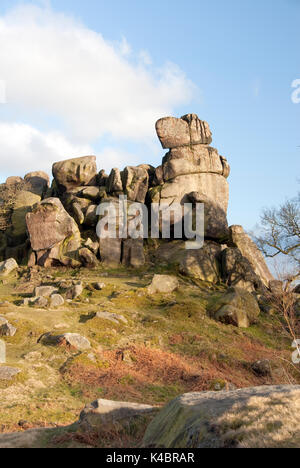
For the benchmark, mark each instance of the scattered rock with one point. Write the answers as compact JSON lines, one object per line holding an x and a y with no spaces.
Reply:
{"x":262,"y":368}
{"x":8,"y":373}
{"x":3,"y":321}
{"x":41,"y":302}
{"x":102,"y":412}
{"x":73,"y":340}
{"x":8,"y":266}
{"x":87,"y":258}
{"x":45,"y":291}
{"x":56,"y":300}
{"x":76,"y":341}
{"x":93,"y":246}
{"x":163,"y":284}
{"x":115,"y":318}
{"x":261,"y":417}
{"x":236,"y":307}
{"x":7,"y":329}
{"x":99,"y":286}
{"x":75,"y":292}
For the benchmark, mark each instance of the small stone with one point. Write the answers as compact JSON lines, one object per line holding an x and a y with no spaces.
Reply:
{"x":56,"y":300}
{"x":99,"y":286}
{"x":7,"y":330}
{"x":8,"y":373}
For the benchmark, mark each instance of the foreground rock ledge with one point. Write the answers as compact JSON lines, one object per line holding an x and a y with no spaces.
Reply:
{"x":260,"y":417}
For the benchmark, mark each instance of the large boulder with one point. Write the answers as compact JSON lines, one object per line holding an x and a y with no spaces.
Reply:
{"x":235,"y":307}
{"x":203,"y":263}
{"x":188,"y":130}
{"x":53,"y":233}
{"x":238,"y":238}
{"x":260,"y":417}
{"x":75,"y":172}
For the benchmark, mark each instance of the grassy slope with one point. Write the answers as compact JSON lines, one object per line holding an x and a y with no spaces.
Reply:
{"x":169,"y":346}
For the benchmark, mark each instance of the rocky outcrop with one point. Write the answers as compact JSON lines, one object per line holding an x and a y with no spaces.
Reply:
{"x":260,"y":417}
{"x":54,"y":235}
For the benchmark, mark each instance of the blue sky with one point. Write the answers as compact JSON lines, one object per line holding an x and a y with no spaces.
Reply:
{"x":232,"y":63}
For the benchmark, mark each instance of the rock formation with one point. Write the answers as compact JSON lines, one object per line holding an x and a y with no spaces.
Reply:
{"x":57,"y":225}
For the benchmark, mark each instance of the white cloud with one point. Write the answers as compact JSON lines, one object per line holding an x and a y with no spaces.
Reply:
{"x":25,"y":149}
{"x":56,"y":66}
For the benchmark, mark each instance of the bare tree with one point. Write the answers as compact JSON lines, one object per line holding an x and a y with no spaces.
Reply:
{"x":280,"y":233}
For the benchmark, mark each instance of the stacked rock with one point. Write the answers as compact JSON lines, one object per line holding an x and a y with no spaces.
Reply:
{"x":192,"y":171}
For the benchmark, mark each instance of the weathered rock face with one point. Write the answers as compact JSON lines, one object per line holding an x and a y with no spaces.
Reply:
{"x":24,"y":202}
{"x":238,"y":271}
{"x":236,"y":307}
{"x":238,"y":238}
{"x":54,"y":235}
{"x":215,"y":219}
{"x":235,"y":419}
{"x":203,"y":263}
{"x":75,"y":172}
